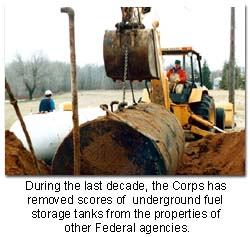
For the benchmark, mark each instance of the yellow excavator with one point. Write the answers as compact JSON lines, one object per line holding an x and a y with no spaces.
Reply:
{"x":194,"y":107}
{"x":134,"y":53}
{"x":147,"y":137}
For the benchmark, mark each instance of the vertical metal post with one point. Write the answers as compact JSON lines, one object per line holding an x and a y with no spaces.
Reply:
{"x":192,"y":69}
{"x":13,"y":101}
{"x":200,"y":71}
{"x":184,"y":62}
{"x":76,"y":131}
{"x":231,"y":83}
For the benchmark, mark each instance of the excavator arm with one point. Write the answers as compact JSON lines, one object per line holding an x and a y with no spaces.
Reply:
{"x":132,"y":52}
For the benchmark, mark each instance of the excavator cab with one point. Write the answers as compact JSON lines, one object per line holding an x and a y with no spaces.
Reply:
{"x":195,"y":80}
{"x":194,"y":107}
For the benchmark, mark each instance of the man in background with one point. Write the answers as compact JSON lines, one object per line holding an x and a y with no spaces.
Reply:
{"x":47,"y":104}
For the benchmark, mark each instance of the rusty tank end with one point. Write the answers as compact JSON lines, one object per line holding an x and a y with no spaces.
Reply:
{"x":142,"y":63}
{"x":144,"y":140}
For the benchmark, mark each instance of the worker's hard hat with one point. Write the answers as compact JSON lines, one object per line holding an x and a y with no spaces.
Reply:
{"x":177,"y":61}
{"x":48,"y":92}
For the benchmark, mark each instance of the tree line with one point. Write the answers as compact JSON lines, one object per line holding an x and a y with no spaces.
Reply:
{"x":30,"y":78}
{"x":240,"y":77}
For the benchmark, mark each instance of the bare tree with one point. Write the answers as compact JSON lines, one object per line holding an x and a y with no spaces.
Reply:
{"x":38,"y":74}
{"x":31,"y":72}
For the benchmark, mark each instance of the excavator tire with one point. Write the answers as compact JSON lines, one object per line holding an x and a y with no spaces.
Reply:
{"x":203,"y":109}
{"x":220,"y":118}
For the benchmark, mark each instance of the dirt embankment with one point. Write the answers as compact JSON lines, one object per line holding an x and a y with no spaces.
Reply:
{"x":220,"y":154}
{"x":18,"y":161}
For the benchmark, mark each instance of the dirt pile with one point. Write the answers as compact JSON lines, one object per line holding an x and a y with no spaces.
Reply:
{"x":220,"y":154}
{"x":18,"y":161}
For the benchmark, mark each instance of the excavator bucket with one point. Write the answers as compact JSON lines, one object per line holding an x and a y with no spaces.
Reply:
{"x":131,"y":142}
{"x":140,"y":60}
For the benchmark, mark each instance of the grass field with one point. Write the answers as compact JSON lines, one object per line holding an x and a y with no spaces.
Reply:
{"x":96,"y":97}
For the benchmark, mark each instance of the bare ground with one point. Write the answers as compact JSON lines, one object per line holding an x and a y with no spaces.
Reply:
{"x":94,"y":98}
{"x":221,"y":154}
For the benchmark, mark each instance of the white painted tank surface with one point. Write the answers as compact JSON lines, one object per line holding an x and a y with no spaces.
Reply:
{"x":48,"y":130}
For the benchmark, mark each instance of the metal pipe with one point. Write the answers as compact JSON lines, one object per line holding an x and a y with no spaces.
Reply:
{"x":13,"y":101}
{"x":76,"y":131}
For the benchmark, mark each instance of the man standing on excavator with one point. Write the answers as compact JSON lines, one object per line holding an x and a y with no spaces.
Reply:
{"x":177,"y":77}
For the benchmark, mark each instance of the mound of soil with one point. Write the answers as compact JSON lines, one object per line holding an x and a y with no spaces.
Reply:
{"x":220,"y":154}
{"x":18,"y":161}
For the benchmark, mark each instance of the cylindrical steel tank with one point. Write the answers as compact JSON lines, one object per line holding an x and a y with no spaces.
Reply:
{"x":142,"y":61}
{"x":143,"y":140}
{"x":48,"y":130}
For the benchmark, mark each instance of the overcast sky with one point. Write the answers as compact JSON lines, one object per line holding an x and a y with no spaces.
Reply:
{"x":32,"y":26}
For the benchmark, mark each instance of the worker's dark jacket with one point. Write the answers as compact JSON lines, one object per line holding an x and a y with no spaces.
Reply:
{"x":46,"y":105}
